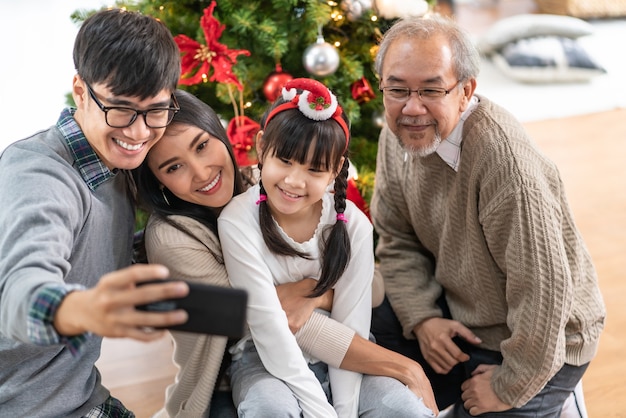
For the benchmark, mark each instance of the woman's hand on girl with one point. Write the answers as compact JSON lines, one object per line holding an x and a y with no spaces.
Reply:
{"x":298,"y":306}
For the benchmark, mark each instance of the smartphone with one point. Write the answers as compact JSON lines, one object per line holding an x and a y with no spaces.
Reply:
{"x":211,"y":309}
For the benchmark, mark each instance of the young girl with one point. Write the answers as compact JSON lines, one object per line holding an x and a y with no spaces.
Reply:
{"x":290,"y":227}
{"x":189,"y":175}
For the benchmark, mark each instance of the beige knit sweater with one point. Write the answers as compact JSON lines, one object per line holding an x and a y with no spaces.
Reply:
{"x":499,"y":237}
{"x":199,"y":357}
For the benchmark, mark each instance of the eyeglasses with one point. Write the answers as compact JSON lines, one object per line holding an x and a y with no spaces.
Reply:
{"x":426,"y":94}
{"x":122,"y":117}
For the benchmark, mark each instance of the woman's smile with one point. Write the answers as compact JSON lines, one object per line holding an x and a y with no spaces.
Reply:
{"x":209,"y":187}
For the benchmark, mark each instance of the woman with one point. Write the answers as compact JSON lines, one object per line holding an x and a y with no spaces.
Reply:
{"x":187,"y":178}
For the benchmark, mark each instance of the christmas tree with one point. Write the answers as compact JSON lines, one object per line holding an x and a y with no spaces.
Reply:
{"x":237,"y":54}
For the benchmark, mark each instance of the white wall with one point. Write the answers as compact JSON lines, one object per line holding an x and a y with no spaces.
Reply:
{"x":36,"y":69}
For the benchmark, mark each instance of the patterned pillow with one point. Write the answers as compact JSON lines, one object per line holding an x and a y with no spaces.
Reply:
{"x":544,"y":59}
{"x":522,"y":26}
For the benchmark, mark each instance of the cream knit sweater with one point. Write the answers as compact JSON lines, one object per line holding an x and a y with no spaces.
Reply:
{"x":199,"y":357}
{"x":499,"y":237}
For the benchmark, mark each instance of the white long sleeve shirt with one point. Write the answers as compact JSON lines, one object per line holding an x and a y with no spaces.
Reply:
{"x":253,"y":267}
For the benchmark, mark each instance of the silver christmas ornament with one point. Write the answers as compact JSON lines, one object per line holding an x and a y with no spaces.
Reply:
{"x":355,"y":8}
{"x":321,"y":58}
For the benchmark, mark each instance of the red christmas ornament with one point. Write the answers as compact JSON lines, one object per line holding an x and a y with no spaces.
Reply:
{"x":362,"y":91}
{"x":274,"y":83}
{"x":241,"y":131}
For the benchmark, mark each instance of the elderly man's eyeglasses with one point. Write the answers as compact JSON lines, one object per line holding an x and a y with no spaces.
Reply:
{"x":122,"y":117}
{"x":426,"y":94}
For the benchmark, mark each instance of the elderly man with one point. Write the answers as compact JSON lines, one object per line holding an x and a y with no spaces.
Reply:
{"x":489,"y":284}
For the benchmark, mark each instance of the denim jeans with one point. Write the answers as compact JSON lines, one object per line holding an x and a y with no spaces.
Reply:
{"x":259,"y":394}
{"x":447,"y":388}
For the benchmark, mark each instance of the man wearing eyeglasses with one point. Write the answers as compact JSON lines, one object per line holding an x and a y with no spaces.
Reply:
{"x":67,"y":219}
{"x":488,"y":282}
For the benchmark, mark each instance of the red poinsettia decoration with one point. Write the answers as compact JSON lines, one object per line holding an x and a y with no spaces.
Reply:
{"x":362,"y":91}
{"x":197,"y":59}
{"x":241,"y":132}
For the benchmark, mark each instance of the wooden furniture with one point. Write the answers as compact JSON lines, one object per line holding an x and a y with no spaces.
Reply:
{"x":583,"y":9}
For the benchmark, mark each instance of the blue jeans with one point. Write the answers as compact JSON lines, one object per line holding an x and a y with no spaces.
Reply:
{"x":547,"y":403}
{"x":447,"y":388}
{"x":257,"y":393}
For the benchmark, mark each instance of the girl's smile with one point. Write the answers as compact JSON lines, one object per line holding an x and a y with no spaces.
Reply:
{"x":289,"y":195}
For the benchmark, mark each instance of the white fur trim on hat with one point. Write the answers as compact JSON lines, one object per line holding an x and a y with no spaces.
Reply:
{"x":310,"y":111}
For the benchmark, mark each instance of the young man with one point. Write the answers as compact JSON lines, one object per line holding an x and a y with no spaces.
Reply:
{"x":67,"y":217}
{"x":493,"y":288}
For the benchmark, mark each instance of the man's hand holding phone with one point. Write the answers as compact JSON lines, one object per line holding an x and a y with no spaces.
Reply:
{"x":108,"y":309}
{"x":211,"y":309}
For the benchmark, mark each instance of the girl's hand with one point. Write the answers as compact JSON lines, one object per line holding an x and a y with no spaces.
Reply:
{"x":297,"y":305}
{"x":421,"y":387}
{"x":367,"y":357}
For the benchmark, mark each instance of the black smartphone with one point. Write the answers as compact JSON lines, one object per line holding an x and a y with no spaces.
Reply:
{"x":211,"y":309}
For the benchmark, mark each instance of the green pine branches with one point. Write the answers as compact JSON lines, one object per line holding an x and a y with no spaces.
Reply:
{"x":279,"y":31}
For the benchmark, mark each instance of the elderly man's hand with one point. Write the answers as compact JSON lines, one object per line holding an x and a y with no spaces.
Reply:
{"x":478,"y":395}
{"x":435,"y":336}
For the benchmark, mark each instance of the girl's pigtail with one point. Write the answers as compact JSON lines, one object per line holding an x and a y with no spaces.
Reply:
{"x":337,"y":244}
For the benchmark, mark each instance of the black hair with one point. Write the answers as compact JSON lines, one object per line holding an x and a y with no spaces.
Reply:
{"x":134,"y":54}
{"x":152,"y":197}
{"x":289,"y":135}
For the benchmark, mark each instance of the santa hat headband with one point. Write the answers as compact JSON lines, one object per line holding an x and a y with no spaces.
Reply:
{"x":315,"y":102}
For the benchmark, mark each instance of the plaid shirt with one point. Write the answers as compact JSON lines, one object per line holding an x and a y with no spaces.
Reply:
{"x":48,"y":299}
{"x":91,"y":167}
{"x":111,"y":408}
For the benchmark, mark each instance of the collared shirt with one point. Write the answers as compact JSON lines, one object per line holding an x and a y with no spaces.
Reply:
{"x":40,"y":325}
{"x":91,"y":167}
{"x":450,"y":148}
{"x":112,"y":407}
{"x":94,"y":172}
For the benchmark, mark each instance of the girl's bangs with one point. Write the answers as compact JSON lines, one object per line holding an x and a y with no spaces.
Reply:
{"x":287,"y":141}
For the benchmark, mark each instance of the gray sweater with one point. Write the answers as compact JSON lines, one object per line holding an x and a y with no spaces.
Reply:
{"x":500,"y":238}
{"x":54,"y":229}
